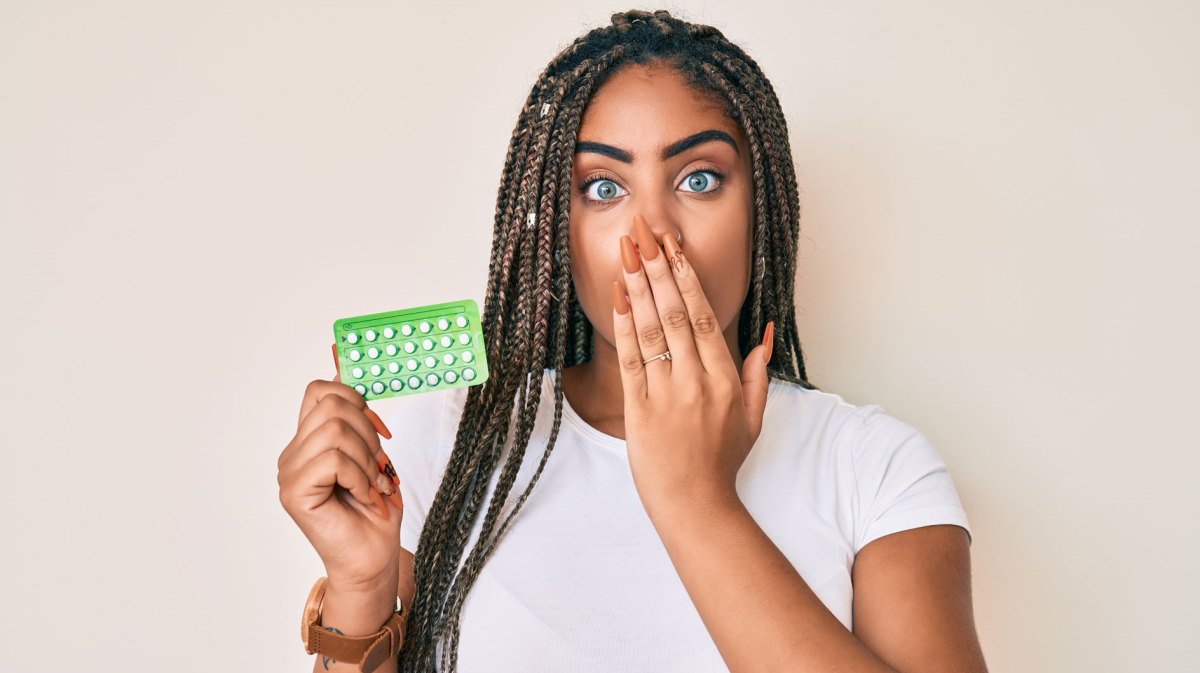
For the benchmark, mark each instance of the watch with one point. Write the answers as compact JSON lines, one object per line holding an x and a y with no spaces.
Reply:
{"x":368,"y":651}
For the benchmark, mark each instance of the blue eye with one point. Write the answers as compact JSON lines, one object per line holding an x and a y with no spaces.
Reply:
{"x":701,"y":184}
{"x":606,"y":190}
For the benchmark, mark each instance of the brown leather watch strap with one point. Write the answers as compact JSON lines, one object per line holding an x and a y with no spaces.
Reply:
{"x":367,"y":651}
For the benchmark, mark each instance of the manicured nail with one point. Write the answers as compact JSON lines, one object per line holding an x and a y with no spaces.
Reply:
{"x":377,"y":422}
{"x":671,"y":247}
{"x":647,"y":245}
{"x":385,"y":467}
{"x":337,"y":365}
{"x":618,"y":298}
{"x":629,"y":256}
{"x":769,"y":340}
{"x":395,"y":497}
{"x":383,"y":510}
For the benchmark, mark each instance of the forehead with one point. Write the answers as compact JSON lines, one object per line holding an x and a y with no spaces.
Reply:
{"x":645,"y":106}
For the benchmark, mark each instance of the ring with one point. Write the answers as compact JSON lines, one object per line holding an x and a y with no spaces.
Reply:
{"x":665,"y":355}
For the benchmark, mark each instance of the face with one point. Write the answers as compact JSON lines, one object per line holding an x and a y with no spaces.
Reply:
{"x":619,"y":170}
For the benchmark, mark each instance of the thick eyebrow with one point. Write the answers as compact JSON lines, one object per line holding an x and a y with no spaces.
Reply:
{"x":669,"y":151}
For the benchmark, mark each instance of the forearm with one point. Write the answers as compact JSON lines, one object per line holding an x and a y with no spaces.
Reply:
{"x":759,"y":611}
{"x":355,"y":614}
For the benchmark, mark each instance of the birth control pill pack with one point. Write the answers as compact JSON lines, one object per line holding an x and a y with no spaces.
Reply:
{"x":413,"y":350}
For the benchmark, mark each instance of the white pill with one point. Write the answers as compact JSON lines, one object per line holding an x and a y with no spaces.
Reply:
{"x":447,"y":341}
{"x":425,"y":326}
{"x":352,"y":337}
{"x":410,"y":347}
{"x":469,"y":374}
{"x":406,"y":329}
{"x":362,"y":390}
{"x":355,"y":354}
{"x":443,"y":323}
{"x":389,"y":332}
{"x":373,"y":352}
{"x":376,"y":370}
{"x":378,"y":388}
{"x":391,"y":350}
{"x":431,"y":362}
{"x":357,"y":372}
{"x":371,"y":335}
{"x":432,"y":379}
{"x":448,"y":358}
{"x":412,"y":364}
{"x":397,"y":385}
{"x":451,"y":377}
{"x":394,"y":367}
{"x":461,"y":321}
{"x":414,"y":382}
{"x":464,"y":338}
{"x":427,"y":344}
{"x":467,"y":356}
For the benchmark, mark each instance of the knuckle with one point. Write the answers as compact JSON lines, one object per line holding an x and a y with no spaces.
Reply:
{"x":652,"y":334}
{"x":675,"y":318}
{"x":631,"y":363}
{"x":704,"y":323}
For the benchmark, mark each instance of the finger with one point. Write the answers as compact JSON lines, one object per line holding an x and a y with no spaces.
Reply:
{"x":629,"y":354}
{"x":672,"y":314}
{"x":371,"y":415}
{"x":707,"y":337}
{"x":650,"y":337}
{"x":332,"y":431}
{"x":314,"y":481}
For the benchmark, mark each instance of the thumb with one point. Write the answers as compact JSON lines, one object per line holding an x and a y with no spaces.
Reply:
{"x":755,"y":380}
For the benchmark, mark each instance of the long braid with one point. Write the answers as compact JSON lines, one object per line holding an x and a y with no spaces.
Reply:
{"x":532,"y":319}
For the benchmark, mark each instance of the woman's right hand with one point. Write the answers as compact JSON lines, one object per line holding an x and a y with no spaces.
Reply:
{"x":331,"y":485}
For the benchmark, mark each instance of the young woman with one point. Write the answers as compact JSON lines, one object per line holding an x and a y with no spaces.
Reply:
{"x":706,"y":508}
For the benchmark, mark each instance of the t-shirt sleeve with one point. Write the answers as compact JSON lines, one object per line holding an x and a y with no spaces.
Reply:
{"x":901,"y":482}
{"x":416,"y":449}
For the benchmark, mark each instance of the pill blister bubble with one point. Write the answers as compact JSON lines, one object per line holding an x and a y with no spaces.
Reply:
{"x":448,"y":358}
{"x":351,"y":337}
{"x":447,"y":341}
{"x":464,"y":338}
{"x":469,"y":374}
{"x":410,"y":347}
{"x":467,"y":356}
{"x":425,"y":326}
{"x":432,"y":379}
{"x":362,"y":390}
{"x":427,"y":344}
{"x":376,"y":370}
{"x":414,"y":382}
{"x":461,"y":321}
{"x":378,"y":388}
{"x":431,"y":361}
{"x":391,"y":350}
{"x":389,"y":332}
{"x":394,"y":367}
{"x":357,"y":372}
{"x":443,"y":324}
{"x":397,"y":385}
{"x":451,"y":377}
{"x":355,"y":354}
{"x":412,"y":364}
{"x":406,"y":329}
{"x":371,"y":335}
{"x":373,"y":352}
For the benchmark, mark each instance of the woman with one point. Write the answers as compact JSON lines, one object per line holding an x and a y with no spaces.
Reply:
{"x":707,"y":507}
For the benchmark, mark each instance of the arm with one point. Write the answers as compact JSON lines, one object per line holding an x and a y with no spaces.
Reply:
{"x":762,"y":615}
{"x":364,"y":614}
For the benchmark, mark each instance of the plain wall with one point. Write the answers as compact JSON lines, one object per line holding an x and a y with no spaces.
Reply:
{"x":1000,"y":233}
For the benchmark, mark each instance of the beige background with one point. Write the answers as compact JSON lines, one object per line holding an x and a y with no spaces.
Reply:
{"x":1000,"y":236}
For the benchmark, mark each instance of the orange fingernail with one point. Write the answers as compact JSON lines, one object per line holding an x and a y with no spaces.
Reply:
{"x":383,"y":510}
{"x":337,"y":365}
{"x":386,"y":468}
{"x":618,"y":298}
{"x":629,"y":256}
{"x":646,"y":241}
{"x":395,"y":497}
{"x":769,"y":340}
{"x":377,"y":422}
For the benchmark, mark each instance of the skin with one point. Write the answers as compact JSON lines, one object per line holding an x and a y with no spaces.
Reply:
{"x":643,"y":109}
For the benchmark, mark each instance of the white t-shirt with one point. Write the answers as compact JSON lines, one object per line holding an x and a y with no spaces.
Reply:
{"x":581,"y":582}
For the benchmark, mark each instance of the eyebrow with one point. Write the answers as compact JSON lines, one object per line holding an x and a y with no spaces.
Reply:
{"x":669,"y":151}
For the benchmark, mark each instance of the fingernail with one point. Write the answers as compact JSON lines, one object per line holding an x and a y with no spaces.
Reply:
{"x":383,"y":510}
{"x":396,"y":499}
{"x":629,"y":257}
{"x":377,"y":422}
{"x":769,"y":340}
{"x":646,"y":243}
{"x":670,"y":247}
{"x":336,"y":365}
{"x":618,"y":298}
{"x":385,"y":468}
{"x":384,"y":484}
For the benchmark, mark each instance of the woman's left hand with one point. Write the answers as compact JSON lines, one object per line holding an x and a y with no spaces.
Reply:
{"x":690,"y":421}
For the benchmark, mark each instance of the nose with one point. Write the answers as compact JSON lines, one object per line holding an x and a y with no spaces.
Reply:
{"x":660,"y":224}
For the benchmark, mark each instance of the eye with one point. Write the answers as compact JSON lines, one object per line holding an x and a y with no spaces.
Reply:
{"x":702,"y":184}
{"x":606,"y":189}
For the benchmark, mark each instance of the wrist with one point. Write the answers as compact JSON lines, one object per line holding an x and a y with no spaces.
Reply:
{"x":358,"y":611}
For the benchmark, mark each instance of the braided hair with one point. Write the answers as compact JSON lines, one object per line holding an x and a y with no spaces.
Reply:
{"x":531,"y":317}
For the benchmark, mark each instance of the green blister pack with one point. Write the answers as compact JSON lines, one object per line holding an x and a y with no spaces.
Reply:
{"x":414,"y":350}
